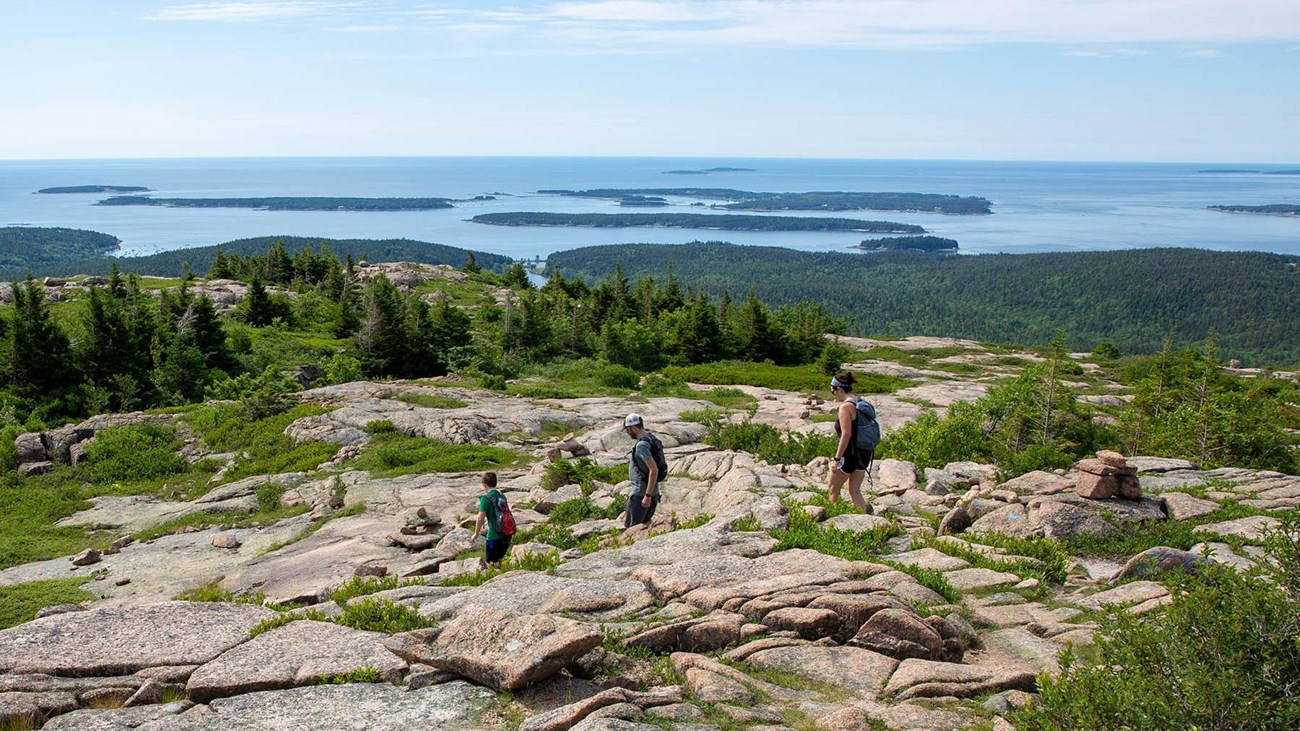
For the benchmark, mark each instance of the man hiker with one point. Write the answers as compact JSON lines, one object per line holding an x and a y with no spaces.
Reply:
{"x":646,"y":468}
{"x":489,"y":513}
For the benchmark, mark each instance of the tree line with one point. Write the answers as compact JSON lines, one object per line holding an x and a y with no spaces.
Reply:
{"x":1134,"y":298}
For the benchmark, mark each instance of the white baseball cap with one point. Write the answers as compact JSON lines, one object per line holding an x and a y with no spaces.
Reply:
{"x":632,"y":419}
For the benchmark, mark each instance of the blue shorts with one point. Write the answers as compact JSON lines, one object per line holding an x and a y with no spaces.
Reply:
{"x":497,"y":548}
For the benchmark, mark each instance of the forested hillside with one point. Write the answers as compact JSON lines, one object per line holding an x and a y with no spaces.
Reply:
{"x":41,"y":252}
{"x":1134,"y":298}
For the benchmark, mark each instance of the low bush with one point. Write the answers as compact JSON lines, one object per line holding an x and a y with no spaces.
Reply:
{"x":1053,"y":556}
{"x":1223,"y":654}
{"x":804,"y":532}
{"x":802,"y":379}
{"x":770,"y":444}
{"x":366,"y":585}
{"x":390,"y":454}
{"x":582,"y":471}
{"x":524,"y":562}
{"x":430,"y":401}
{"x":132,"y":454}
{"x":382,"y":615}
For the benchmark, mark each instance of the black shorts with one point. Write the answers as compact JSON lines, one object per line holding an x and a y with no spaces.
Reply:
{"x":496,"y":549}
{"x":855,"y":460}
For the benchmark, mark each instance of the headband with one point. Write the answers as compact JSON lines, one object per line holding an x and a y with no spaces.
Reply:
{"x":837,"y":383}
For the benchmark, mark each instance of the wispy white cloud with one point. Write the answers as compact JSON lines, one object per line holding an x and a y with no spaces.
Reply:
{"x":246,"y":12}
{"x":885,"y":23}
{"x":1107,"y":52}
{"x":1203,"y":53}
{"x":365,"y":28}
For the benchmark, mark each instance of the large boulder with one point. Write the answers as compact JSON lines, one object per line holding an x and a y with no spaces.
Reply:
{"x":1158,"y":561}
{"x":900,"y":634}
{"x":508,"y":651}
{"x":296,"y":654}
{"x":122,"y":640}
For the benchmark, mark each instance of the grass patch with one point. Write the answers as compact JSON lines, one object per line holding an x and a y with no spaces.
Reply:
{"x":360,"y":675}
{"x":19,"y":603}
{"x":366,"y":585}
{"x":932,"y":579}
{"x":826,"y":418}
{"x":804,"y":532}
{"x":137,"y":453}
{"x":728,"y":398}
{"x":429,"y":401}
{"x":802,"y":379}
{"x":213,"y":593}
{"x":695,"y":522}
{"x":978,"y":559}
{"x":526,"y":562}
{"x":220,"y":520}
{"x":261,"y":444}
{"x":391,"y":454}
{"x":280,"y":620}
{"x":1056,"y":560}
{"x":1129,"y":540}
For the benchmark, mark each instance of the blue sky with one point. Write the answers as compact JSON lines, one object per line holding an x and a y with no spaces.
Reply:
{"x":1142,"y":80}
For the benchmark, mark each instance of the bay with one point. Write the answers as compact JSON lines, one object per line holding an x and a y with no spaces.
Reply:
{"x":1038,"y":206}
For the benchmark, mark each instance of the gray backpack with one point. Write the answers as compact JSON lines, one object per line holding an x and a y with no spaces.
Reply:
{"x":867,"y":428}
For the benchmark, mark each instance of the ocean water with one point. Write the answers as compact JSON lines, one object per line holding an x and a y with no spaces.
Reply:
{"x":1037,"y":206}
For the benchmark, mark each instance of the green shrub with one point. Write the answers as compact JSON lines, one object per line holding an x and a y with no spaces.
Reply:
{"x":391,"y":454}
{"x":379,"y":426}
{"x":133,"y":454}
{"x":574,"y":511}
{"x":492,"y":382}
{"x":382,"y":615}
{"x":701,"y":416}
{"x":365,"y":585}
{"x":802,"y":379}
{"x":582,"y":471}
{"x":280,"y":620}
{"x":617,"y":376}
{"x":770,"y":444}
{"x":695,"y":522}
{"x":1129,"y":540}
{"x":1053,"y":556}
{"x":213,"y":593}
{"x":804,"y":532}
{"x":19,"y":603}
{"x":932,"y":579}
{"x":1223,"y":654}
{"x":524,"y":562}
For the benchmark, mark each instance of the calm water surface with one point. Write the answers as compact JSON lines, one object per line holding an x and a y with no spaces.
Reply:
{"x":1037,"y":206}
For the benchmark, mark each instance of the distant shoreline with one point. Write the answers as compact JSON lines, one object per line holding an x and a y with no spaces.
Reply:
{"x":94,"y":189}
{"x":286,"y":203}
{"x":1285,"y":210}
{"x":700,"y":221}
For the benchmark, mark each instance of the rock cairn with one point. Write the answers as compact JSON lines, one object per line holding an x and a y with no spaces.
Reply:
{"x":1107,"y":476}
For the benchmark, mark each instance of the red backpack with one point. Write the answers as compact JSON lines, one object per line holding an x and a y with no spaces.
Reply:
{"x":505,"y":519}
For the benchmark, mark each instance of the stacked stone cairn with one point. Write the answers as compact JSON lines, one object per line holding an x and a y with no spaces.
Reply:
{"x":1107,"y":476}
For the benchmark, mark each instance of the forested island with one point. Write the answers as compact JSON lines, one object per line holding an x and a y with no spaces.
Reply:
{"x":64,"y":251}
{"x":642,"y":201}
{"x":744,"y":200}
{"x":285,"y":203}
{"x":702,"y":221}
{"x":95,"y":189}
{"x":23,"y":247}
{"x":910,"y":243}
{"x":1274,"y":209}
{"x":1134,"y":298}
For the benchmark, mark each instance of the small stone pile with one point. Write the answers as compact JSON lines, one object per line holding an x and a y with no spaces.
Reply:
{"x":1107,"y":476}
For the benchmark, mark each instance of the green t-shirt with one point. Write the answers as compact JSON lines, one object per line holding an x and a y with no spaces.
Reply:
{"x":493,"y":521}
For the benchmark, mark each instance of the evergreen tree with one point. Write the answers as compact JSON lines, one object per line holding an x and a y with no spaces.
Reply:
{"x":40,"y":363}
{"x":257,"y":309}
{"x":381,"y":338}
{"x":471,"y":265}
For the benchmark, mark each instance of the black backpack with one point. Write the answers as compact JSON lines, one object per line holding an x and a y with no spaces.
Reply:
{"x":868,"y":429}
{"x":657,"y":452}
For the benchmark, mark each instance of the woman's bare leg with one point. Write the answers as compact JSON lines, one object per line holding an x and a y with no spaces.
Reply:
{"x":836,"y":481}
{"x":855,"y":490}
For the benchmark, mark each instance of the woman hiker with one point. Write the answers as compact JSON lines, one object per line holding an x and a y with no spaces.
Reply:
{"x":850,"y":463}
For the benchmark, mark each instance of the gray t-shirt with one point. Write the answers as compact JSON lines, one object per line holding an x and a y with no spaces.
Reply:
{"x":642,"y":454}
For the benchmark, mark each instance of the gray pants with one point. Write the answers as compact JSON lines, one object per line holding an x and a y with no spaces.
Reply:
{"x":636,"y":514}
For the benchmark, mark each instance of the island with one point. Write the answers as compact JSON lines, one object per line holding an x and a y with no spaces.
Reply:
{"x":707,"y":171}
{"x":936,"y":244}
{"x":285,"y":204}
{"x":704,"y":221}
{"x":642,"y":201}
{"x":1273,"y":209}
{"x":744,"y":200}
{"x":96,"y":189}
